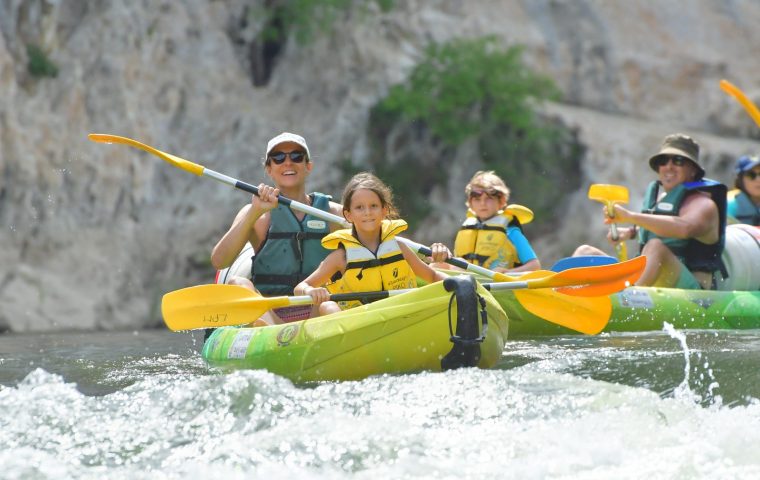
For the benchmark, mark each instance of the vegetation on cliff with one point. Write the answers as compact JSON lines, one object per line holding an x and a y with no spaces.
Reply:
{"x":473,"y":89}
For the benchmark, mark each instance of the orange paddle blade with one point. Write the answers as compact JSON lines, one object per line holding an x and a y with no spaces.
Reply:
{"x":613,"y":280}
{"x":582,"y":281}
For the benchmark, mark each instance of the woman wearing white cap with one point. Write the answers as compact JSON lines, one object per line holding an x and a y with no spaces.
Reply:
{"x":744,"y":202}
{"x":287,"y":243}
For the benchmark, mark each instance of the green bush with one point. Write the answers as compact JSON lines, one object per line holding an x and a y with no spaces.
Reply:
{"x":305,"y":18}
{"x":39,"y":64}
{"x":473,"y":89}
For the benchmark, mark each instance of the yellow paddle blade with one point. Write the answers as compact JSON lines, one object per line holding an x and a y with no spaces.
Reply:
{"x":577,"y":311}
{"x":745,"y":102}
{"x":211,"y":306}
{"x":609,"y":194}
{"x":186,"y":165}
{"x":587,"y":315}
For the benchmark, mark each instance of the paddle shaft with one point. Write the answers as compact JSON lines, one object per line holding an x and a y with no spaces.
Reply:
{"x":330,"y":217}
{"x":218,"y":305}
{"x":364,"y":297}
{"x":550,"y":306}
{"x":200,"y":170}
{"x":504,"y":282}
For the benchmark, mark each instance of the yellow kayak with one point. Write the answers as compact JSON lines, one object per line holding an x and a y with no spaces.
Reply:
{"x":428,"y":328}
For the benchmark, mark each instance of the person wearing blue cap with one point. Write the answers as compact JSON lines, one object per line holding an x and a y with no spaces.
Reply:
{"x":744,"y":201}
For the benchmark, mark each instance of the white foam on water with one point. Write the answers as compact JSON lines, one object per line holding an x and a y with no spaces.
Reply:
{"x":526,"y":422}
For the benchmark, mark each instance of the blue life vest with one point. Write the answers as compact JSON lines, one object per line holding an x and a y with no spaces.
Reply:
{"x":697,"y":256}
{"x":292,"y":249}
{"x":745,"y":209}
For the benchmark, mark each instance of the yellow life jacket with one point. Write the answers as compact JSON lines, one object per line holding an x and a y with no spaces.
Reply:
{"x":486,"y":243}
{"x":367,"y":271}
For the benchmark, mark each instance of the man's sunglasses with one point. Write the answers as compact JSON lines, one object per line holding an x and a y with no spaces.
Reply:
{"x":663,"y":160}
{"x":279,"y":157}
{"x":494,"y":194}
{"x":752,"y":175}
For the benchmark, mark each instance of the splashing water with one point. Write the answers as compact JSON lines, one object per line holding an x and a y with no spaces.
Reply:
{"x":143,"y":408}
{"x":683,"y":391}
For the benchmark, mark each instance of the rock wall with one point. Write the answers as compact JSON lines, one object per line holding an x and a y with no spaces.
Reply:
{"x":93,"y":234}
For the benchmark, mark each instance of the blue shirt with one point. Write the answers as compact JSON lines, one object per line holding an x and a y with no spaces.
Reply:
{"x":525,"y":252}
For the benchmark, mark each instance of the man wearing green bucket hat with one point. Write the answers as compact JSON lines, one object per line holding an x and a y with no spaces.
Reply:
{"x":682,"y":225}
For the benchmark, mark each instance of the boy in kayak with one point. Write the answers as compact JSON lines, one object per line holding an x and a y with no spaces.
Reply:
{"x":367,"y":256}
{"x":491,"y":235}
{"x":286,"y":242}
{"x":682,"y":227}
{"x":744,"y":202}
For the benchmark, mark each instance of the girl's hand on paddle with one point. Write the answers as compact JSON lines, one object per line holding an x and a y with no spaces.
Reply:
{"x":266,"y":200}
{"x":440,"y":253}
{"x":318,"y":294}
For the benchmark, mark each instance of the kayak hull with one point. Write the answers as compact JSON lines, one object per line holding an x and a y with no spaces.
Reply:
{"x":638,"y":309}
{"x":405,"y":333}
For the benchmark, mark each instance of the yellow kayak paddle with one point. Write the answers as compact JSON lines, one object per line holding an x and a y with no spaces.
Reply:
{"x":548,"y":304}
{"x":745,"y":102}
{"x":610,"y":195}
{"x":219,"y":305}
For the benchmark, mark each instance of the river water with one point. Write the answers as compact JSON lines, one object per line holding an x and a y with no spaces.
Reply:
{"x":139,"y":405}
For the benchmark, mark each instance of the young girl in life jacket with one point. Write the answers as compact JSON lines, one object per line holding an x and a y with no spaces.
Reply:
{"x":491,"y":235}
{"x":368,"y":255}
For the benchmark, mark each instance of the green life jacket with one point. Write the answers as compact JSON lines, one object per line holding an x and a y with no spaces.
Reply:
{"x":746,"y":210}
{"x":697,"y":256}
{"x":292,"y":249}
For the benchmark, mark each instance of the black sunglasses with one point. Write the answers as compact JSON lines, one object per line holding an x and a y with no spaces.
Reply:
{"x":752,"y":175}
{"x":279,"y":157}
{"x":663,"y":160}
{"x":494,"y":194}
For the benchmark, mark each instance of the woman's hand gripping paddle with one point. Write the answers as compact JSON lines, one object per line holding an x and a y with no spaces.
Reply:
{"x":561,"y":305}
{"x":610,"y":195}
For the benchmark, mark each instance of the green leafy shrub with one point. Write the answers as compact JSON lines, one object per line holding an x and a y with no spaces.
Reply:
{"x":473,"y":89}
{"x":39,"y":64}
{"x":305,"y":18}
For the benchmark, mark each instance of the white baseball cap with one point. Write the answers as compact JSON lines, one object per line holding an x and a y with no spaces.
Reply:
{"x":285,"y":137}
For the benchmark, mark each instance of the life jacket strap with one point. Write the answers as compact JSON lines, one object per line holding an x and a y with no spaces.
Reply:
{"x":372,"y":263}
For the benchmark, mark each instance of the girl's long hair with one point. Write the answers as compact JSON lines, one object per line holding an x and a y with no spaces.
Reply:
{"x":368,"y":181}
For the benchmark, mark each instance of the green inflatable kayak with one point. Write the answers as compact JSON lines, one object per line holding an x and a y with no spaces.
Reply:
{"x":736,"y":305}
{"x":450,"y":324}
{"x":647,"y":308}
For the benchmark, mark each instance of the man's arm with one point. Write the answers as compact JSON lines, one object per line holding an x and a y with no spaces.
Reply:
{"x":697,"y":219}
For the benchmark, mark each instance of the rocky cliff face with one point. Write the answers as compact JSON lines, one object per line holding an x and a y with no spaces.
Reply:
{"x":93,"y":234}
